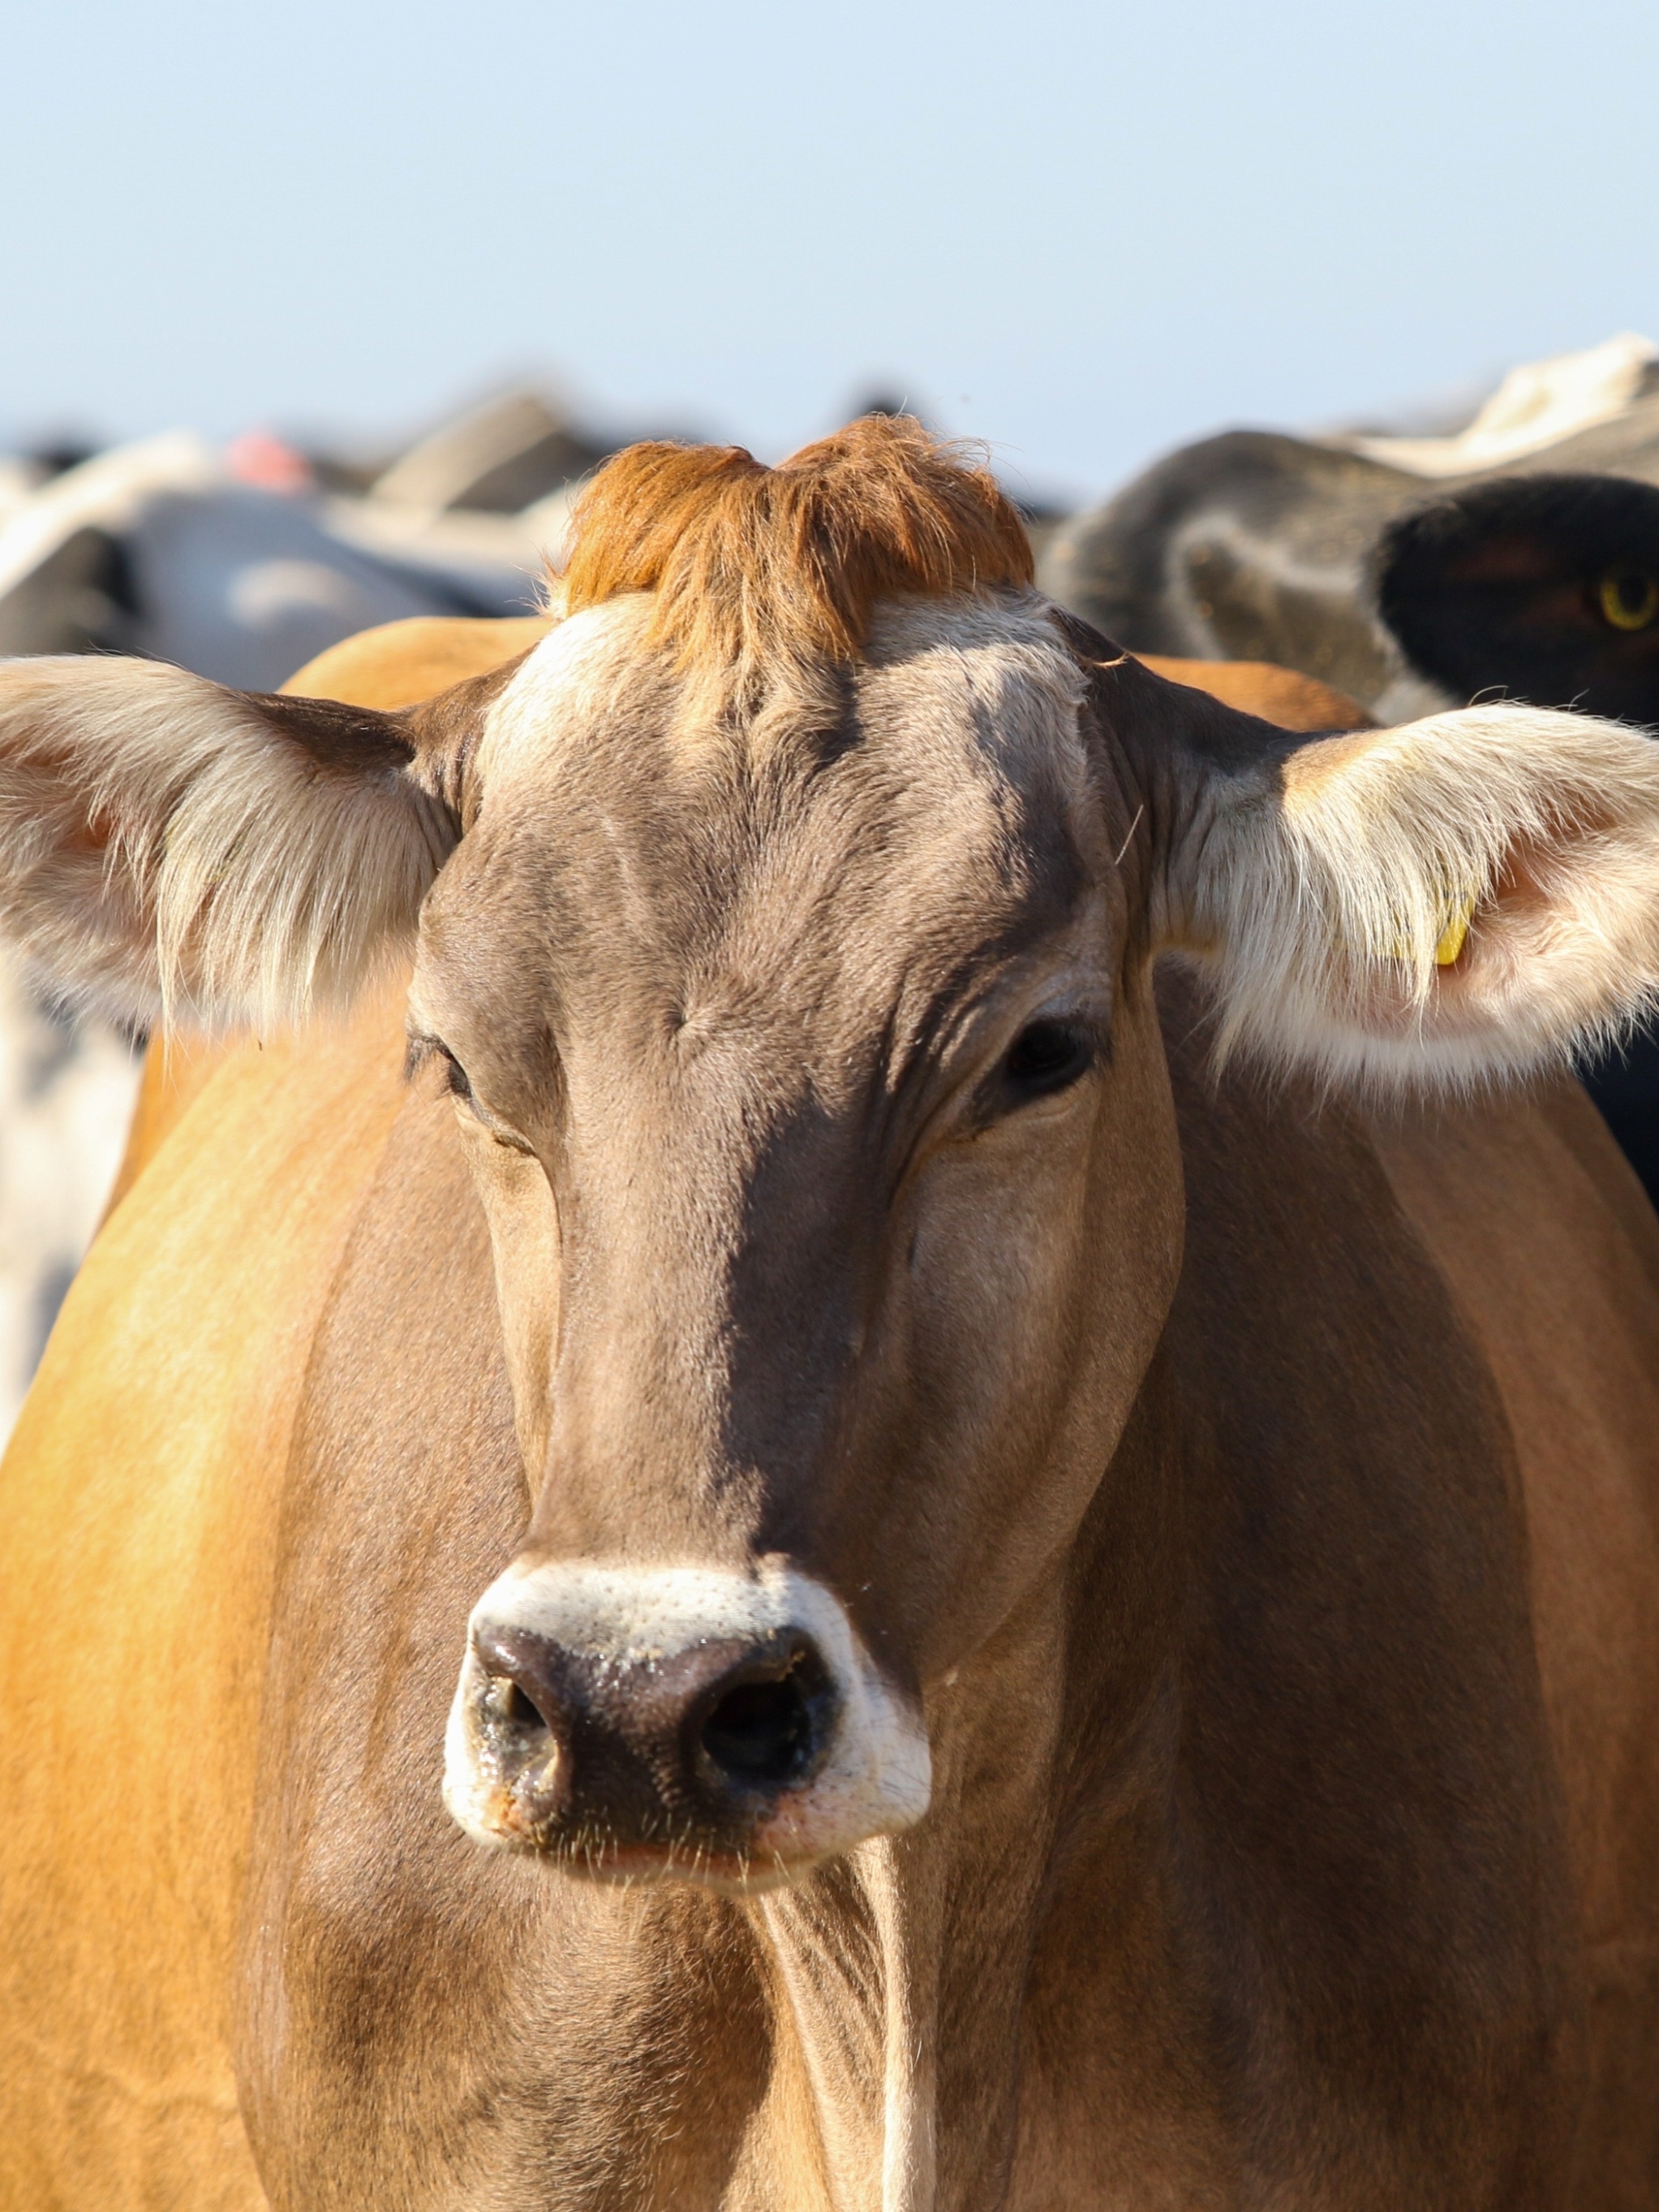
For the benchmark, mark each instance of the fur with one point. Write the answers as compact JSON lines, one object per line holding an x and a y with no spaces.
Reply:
{"x":1324,"y":880}
{"x":167,"y":844}
{"x":760,"y":571}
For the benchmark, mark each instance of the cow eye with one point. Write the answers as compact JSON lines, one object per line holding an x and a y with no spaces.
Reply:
{"x":424,"y":1049}
{"x":1630,"y":598}
{"x":457,"y":1081}
{"x":1045,"y":1057}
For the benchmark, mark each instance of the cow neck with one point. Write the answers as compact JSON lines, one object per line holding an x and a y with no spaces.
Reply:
{"x":900,"y":1974}
{"x":855,"y":1958}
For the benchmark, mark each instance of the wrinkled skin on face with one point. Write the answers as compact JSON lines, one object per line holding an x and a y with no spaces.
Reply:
{"x":799,"y":1078}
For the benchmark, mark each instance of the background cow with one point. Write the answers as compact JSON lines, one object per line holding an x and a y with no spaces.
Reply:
{"x":158,"y":549}
{"x":1255,"y":545}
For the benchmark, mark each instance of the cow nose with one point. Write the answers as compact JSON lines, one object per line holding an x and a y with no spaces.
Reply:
{"x":693,"y":1723}
{"x":638,"y":1745}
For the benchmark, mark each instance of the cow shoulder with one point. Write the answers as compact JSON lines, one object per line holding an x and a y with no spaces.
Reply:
{"x":401,"y":662}
{"x":139,"y":1497}
{"x":1374,"y":1817}
{"x":1552,"y":1253}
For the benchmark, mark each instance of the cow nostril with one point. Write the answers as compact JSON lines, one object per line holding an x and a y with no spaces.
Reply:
{"x":523,"y":1710}
{"x":760,"y":1732}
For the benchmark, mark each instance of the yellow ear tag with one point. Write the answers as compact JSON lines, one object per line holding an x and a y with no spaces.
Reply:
{"x":1454,"y":935}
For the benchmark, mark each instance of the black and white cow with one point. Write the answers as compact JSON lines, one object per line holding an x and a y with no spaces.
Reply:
{"x":157,"y":549}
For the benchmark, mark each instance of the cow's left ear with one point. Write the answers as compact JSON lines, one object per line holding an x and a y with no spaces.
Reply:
{"x":168,"y":848}
{"x":1456,"y":900}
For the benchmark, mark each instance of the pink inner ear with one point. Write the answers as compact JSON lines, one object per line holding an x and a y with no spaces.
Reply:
{"x":1528,"y":876}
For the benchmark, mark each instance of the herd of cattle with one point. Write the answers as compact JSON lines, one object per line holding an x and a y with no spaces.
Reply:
{"x":864,"y":1424}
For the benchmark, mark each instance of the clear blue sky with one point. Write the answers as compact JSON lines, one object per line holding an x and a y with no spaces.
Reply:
{"x":1084,"y":232}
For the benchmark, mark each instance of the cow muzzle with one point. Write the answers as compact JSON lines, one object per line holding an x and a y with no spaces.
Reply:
{"x":726,"y":1729}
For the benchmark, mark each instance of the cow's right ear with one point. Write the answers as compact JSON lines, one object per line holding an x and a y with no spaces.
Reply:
{"x":1447,"y":903}
{"x":170,"y":849}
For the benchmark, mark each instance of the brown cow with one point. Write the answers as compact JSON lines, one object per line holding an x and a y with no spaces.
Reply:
{"x":1107,"y":1619}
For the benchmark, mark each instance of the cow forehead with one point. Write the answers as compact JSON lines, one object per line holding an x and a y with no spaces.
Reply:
{"x":977,"y":688}
{"x":835,"y":868}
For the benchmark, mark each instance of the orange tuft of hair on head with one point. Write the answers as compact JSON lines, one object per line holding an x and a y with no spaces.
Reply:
{"x":752,"y":565}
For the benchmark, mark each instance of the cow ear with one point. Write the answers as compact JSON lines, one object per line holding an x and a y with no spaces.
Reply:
{"x":172,"y":850}
{"x":1454,"y":901}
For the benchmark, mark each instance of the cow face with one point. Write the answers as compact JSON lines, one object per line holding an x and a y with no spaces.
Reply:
{"x":1544,"y":588}
{"x":822,"y":1126}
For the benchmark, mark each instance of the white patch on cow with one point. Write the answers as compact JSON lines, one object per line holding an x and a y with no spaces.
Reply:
{"x":1322,"y":883}
{"x":587,"y":664}
{"x":910,"y":2039}
{"x":876,"y":1777}
{"x":1537,"y":405}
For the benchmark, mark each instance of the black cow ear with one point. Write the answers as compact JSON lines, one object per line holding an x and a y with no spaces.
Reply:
{"x":1543,"y":589}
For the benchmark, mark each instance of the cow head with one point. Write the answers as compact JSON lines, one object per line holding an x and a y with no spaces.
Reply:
{"x":1543,"y":588}
{"x":783,"y":927}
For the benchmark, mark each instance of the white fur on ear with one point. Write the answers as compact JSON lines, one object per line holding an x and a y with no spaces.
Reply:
{"x":169,"y":848}
{"x":1322,"y":883}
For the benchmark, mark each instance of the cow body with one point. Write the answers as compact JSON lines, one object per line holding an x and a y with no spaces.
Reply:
{"x":1263,"y":1871}
{"x":1244,"y":1500}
